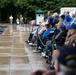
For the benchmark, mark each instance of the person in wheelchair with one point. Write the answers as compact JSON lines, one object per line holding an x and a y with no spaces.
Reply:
{"x":65,"y":63}
{"x":58,"y":39}
{"x":71,"y":34}
{"x":58,"y":31}
{"x":32,"y":33}
{"x":70,"y":38}
{"x":48,"y":20}
{"x":48,"y":33}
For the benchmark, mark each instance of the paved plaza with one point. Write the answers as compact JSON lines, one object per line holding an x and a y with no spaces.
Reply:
{"x":16,"y":57}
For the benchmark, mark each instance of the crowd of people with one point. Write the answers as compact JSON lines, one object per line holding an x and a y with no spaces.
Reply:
{"x":56,"y":38}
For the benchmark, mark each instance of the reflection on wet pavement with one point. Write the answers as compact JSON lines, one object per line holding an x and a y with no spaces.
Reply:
{"x":16,"y":57}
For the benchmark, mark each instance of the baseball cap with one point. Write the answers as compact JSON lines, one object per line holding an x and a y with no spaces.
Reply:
{"x":67,"y":55}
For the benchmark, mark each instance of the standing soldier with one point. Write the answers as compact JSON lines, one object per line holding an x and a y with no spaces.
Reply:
{"x":11,"y":19}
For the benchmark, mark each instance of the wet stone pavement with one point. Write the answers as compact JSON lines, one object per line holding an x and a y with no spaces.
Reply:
{"x":16,"y":57}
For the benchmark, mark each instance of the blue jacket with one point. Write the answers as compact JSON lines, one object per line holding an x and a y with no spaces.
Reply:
{"x":68,"y":18}
{"x":47,"y":32}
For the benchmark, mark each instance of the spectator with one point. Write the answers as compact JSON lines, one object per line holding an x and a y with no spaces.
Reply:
{"x":68,"y":17}
{"x":49,"y":18}
{"x":21,"y":20}
{"x":71,"y":35}
{"x":58,"y":38}
{"x":25,"y":20}
{"x":48,"y":31}
{"x":62,"y":18}
{"x":73,"y":19}
{"x":56,"y":19}
{"x":68,"y":20}
{"x":48,"y":21}
{"x":66,"y":59}
{"x":65,"y":63}
{"x":61,"y":34}
{"x":42,"y":27}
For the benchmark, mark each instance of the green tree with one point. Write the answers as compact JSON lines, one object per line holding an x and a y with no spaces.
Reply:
{"x":28,"y":8}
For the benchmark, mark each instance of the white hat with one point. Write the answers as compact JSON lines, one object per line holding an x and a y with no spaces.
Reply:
{"x":55,"y":14}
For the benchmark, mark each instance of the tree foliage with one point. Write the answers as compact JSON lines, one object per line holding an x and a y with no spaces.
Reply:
{"x":28,"y":7}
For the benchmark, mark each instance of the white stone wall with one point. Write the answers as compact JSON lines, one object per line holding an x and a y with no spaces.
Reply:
{"x":70,"y":9}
